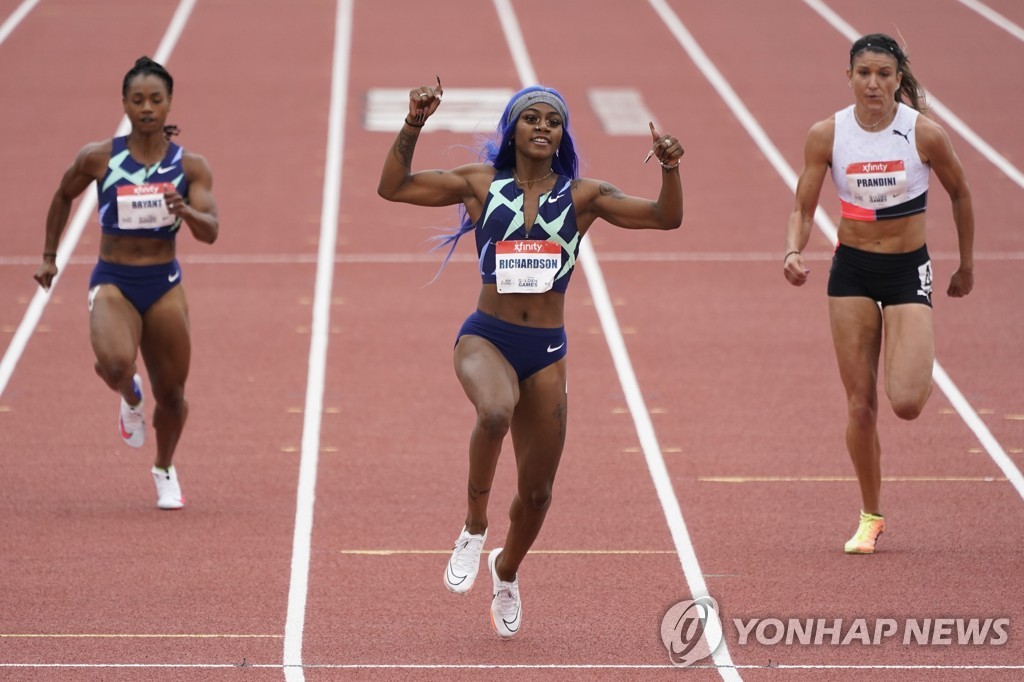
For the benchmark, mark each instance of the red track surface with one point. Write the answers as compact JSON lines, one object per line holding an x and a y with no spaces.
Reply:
{"x":735,"y":365}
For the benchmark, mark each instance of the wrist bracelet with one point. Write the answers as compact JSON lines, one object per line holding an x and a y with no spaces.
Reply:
{"x":412,"y":125}
{"x":50,"y":254}
{"x":786,"y":257}
{"x":668,"y":167}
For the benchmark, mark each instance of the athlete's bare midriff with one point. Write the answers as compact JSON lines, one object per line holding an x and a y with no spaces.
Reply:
{"x":529,"y":310}
{"x":899,"y":235}
{"x":136,"y":250}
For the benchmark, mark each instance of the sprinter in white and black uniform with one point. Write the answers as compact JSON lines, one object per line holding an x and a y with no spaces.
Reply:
{"x":147,"y":188}
{"x":880,"y":151}
{"x":528,"y":210}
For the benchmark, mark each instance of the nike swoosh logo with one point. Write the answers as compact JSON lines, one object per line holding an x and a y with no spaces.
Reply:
{"x":513,"y":625}
{"x":552,"y":200}
{"x":453,"y":577}
{"x":164,"y":169}
{"x":124,"y":434}
{"x":556,"y":348}
{"x":175,"y":277}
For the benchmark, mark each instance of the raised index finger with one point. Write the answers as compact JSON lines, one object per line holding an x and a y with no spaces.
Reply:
{"x":654,"y":133}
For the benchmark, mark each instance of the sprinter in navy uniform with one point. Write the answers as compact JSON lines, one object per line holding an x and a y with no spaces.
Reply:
{"x":148,"y":187}
{"x":528,"y":210}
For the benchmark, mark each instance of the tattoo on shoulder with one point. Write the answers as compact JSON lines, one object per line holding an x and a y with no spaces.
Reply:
{"x":607,"y":189}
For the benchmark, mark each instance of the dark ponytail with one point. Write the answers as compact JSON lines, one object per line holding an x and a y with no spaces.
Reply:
{"x":910,"y":90}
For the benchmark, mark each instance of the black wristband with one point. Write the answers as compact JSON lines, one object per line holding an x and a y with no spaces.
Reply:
{"x":50,"y":254}
{"x":786,"y":257}
{"x":412,"y":125}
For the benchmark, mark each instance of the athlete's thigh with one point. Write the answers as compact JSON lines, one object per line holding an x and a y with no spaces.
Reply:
{"x":115,"y":326}
{"x":909,"y":346}
{"x":857,"y":336}
{"x":486,"y":376}
{"x":540,"y":421}
{"x":166,"y":342}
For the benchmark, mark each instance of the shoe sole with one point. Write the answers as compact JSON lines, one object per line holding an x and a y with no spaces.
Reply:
{"x":860,"y":551}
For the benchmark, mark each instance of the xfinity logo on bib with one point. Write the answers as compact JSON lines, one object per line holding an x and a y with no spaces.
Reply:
{"x":873,"y":168}
{"x":530,"y":247}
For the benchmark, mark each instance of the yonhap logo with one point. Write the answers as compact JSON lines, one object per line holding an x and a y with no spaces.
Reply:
{"x":691,"y":631}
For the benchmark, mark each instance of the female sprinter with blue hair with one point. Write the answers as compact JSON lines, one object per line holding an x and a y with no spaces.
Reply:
{"x":528,"y":210}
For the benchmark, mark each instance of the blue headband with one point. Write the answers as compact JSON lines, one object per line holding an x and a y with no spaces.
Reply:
{"x":527,"y":99}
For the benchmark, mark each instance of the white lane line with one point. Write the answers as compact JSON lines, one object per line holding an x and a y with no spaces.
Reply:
{"x":954,"y":121}
{"x":16,"y":17}
{"x":996,"y":18}
{"x":627,"y":378}
{"x":298,"y":586}
{"x":81,"y":217}
{"x":718,"y":81}
{"x":511,"y":666}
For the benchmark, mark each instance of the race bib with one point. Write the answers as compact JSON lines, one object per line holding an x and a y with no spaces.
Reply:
{"x":141,"y":207}
{"x":526,"y":266}
{"x":877,"y":184}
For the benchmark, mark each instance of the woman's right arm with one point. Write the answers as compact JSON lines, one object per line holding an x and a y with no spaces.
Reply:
{"x":76,"y":179}
{"x":817,"y":157}
{"x":425,"y":188}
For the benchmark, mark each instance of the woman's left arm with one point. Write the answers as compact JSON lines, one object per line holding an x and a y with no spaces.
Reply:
{"x":666,"y":213}
{"x":200,"y":212}
{"x":936,"y":149}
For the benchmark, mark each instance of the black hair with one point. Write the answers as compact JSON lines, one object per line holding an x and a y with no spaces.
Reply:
{"x":144,"y":66}
{"x":909,"y":88}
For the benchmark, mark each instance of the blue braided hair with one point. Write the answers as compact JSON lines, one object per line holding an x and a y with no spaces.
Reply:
{"x":500,"y":151}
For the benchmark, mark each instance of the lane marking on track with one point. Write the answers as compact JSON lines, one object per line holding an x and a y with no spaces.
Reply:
{"x":81,"y":217}
{"x":16,"y":18}
{"x":569,"y":552}
{"x":588,"y":259}
{"x":847,"y":479}
{"x":465,"y":110}
{"x":954,"y":121}
{"x":822,"y":221}
{"x":621,"y":111}
{"x":512,"y":666}
{"x":134,"y":635}
{"x":305,"y":494}
{"x":996,"y":18}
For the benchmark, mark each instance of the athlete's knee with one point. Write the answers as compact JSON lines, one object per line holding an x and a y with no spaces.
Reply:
{"x":114,"y":370}
{"x":171,"y":398}
{"x":909,"y":407}
{"x":494,"y":420}
{"x":537,"y":498}
{"x":863,"y":414}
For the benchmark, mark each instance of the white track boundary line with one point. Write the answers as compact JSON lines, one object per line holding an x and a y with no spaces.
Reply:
{"x":954,"y":121}
{"x":81,"y":217}
{"x":518,"y":666}
{"x":718,"y":81}
{"x":627,"y":378}
{"x":306,"y":494}
{"x":11,"y":23}
{"x":996,"y":18}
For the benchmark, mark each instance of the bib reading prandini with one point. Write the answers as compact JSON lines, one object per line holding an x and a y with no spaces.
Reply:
{"x":526,"y":266}
{"x":141,"y":207}
{"x":874,"y":185}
